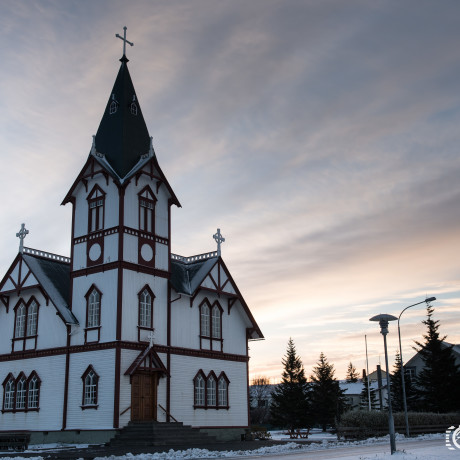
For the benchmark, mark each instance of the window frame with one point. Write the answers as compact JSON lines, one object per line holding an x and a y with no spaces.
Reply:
{"x":207,"y":404}
{"x":85,"y":374}
{"x":88,"y":294}
{"x":196,"y":405}
{"x":22,"y":304}
{"x":146,"y":213}
{"x":96,"y":195}
{"x":141,"y":327}
{"x":209,"y":333}
{"x":33,"y":375}
{"x":9,"y":379}
{"x":223,"y":377}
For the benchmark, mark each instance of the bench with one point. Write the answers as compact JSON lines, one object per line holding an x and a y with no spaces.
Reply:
{"x":15,"y":441}
{"x":296,"y":434}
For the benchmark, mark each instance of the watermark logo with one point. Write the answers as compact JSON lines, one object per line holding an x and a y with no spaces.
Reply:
{"x":453,"y":438}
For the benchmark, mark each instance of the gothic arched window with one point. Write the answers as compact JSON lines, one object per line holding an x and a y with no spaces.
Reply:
{"x":32,"y":316}
{"x":222,"y":396}
{"x":211,"y":396}
{"x":33,"y":391}
{"x":8,"y":392}
{"x":205,"y":320}
{"x":20,"y":323}
{"x":199,"y":390}
{"x":147,"y":202}
{"x":21,"y":391}
{"x":146,"y":297}
{"x":96,"y":203}
{"x":90,"y":388}
{"x":93,"y":315}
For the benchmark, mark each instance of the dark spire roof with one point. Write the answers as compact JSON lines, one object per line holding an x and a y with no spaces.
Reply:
{"x":122,"y":135}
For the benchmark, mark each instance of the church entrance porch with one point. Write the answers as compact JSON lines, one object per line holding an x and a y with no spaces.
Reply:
{"x":144,"y":396}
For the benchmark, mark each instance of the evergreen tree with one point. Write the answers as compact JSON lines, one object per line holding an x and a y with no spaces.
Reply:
{"x":364,"y":397}
{"x":396,"y":388}
{"x":290,"y":403}
{"x":327,"y":399}
{"x":438,"y":383}
{"x":352,"y":374}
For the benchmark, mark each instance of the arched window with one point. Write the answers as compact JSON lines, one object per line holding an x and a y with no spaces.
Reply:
{"x":93,"y":308}
{"x":90,"y":388}
{"x":222,"y":399}
{"x":147,"y":202}
{"x":216,"y":322}
{"x":146,"y":308}
{"x":199,"y":390}
{"x":133,"y":108}
{"x":96,"y":202}
{"x":205,"y":319}
{"x":211,"y":391}
{"x":113,"y":107}
{"x":32,"y":314}
{"x":33,"y":391}
{"x":8,"y":393}
{"x":21,"y":390}
{"x":20,"y":320}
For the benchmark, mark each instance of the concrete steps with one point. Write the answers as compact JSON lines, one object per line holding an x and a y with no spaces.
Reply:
{"x":152,"y":433}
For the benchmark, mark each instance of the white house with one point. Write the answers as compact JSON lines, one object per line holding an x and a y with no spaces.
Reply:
{"x":122,"y":329}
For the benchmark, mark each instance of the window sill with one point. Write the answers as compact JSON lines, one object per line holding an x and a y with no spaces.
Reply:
{"x":212,"y":407}
{"x":95,"y":406}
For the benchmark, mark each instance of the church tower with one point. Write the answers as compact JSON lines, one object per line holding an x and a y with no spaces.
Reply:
{"x":121,"y":248}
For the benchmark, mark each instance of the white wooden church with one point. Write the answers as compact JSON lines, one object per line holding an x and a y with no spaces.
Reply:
{"x":123,"y":329}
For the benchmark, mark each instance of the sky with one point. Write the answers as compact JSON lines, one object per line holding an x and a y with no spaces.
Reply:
{"x":322,"y":138}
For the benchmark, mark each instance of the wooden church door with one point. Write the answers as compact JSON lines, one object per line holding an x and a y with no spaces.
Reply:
{"x":144,"y":396}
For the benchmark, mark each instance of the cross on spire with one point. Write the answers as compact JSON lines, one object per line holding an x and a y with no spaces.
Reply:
{"x":21,"y":235}
{"x":219,"y":240}
{"x":151,"y":336}
{"x":124,"y":40}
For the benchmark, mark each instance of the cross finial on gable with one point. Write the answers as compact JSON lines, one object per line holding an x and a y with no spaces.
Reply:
{"x":151,"y":336}
{"x":124,"y":40}
{"x":21,"y":235}
{"x":219,"y":240}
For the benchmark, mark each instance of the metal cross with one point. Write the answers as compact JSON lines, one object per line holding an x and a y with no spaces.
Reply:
{"x":124,"y":40}
{"x":219,"y":240}
{"x":151,"y":336}
{"x":21,"y":235}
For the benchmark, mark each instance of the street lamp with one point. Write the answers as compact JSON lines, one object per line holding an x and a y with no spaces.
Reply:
{"x":383,"y":321}
{"x":406,"y":418}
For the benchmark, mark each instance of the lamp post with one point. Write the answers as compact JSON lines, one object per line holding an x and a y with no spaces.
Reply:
{"x":406,"y":418}
{"x":383,"y":320}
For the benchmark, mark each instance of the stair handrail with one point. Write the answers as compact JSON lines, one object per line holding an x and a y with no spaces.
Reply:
{"x":167,"y":413}
{"x":126,"y":410}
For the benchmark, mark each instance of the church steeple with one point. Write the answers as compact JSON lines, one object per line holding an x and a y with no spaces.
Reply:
{"x":122,"y":135}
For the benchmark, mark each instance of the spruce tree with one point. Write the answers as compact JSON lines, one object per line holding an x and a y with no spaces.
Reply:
{"x":396,"y":388}
{"x":438,"y":383}
{"x":352,"y":374}
{"x":290,"y":403}
{"x":327,"y":399}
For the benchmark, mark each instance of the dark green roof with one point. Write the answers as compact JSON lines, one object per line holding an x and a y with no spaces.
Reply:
{"x":123,"y":136}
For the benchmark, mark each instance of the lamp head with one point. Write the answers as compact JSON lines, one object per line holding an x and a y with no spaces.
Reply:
{"x":383,"y":320}
{"x":431,"y":299}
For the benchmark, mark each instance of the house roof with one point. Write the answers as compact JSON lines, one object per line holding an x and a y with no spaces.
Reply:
{"x":123,"y":136}
{"x":188,"y":274}
{"x":187,"y":277}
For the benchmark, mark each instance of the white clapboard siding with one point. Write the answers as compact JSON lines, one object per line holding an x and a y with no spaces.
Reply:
{"x":106,"y":282}
{"x":51,"y":331}
{"x":103,"y":362}
{"x":183,"y":371}
{"x":51,"y":371}
{"x":133,"y":282}
{"x":185,"y":321}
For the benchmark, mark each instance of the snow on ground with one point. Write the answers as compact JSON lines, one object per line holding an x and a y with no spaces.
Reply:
{"x":291,"y":449}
